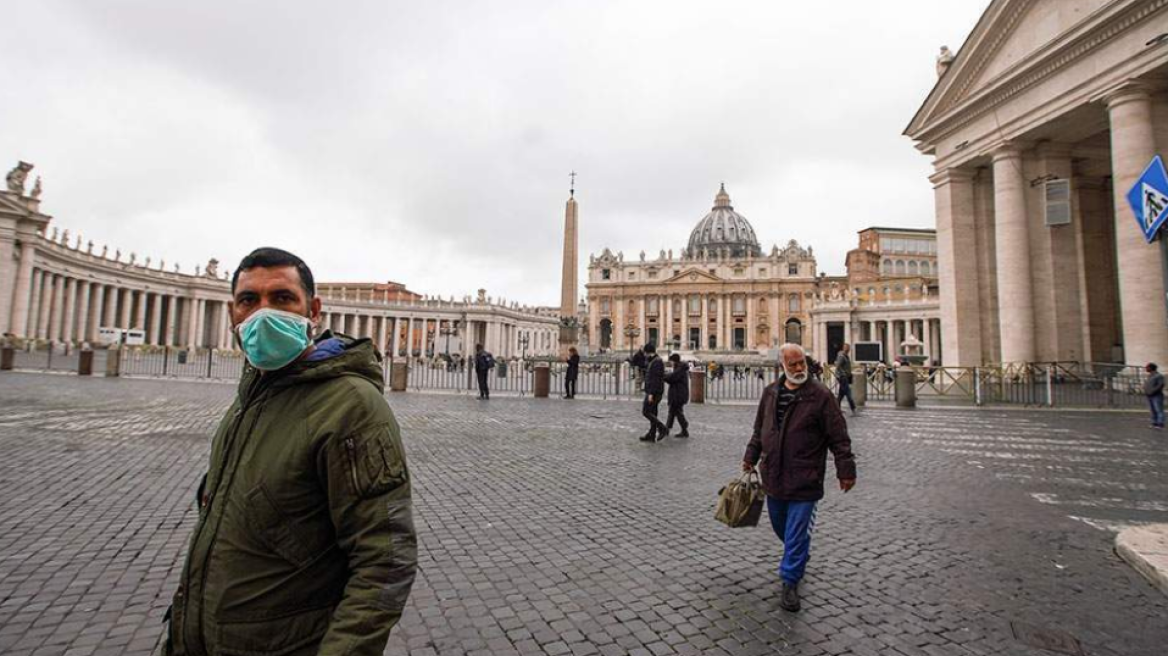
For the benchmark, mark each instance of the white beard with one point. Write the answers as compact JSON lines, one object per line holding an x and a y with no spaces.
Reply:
{"x":798,"y":379}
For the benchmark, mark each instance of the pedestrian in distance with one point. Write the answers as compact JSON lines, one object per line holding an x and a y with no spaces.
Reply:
{"x":654,"y":389}
{"x":797,"y":422}
{"x":484,"y":362}
{"x":304,"y":542}
{"x":572,"y":373}
{"x":843,"y":377}
{"x":1154,"y":390}
{"x":678,"y":380}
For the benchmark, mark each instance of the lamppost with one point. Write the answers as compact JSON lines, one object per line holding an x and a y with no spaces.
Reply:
{"x":429,"y":342}
{"x":447,"y":330}
{"x":524,"y":340}
{"x":631,"y":334}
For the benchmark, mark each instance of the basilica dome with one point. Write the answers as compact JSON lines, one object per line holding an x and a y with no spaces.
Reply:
{"x":723,"y":228}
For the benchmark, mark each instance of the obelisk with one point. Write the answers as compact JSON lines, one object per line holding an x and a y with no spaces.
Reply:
{"x":568,"y":321}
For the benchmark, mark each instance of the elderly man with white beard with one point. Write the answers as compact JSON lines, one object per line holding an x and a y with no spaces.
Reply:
{"x":797,"y":422}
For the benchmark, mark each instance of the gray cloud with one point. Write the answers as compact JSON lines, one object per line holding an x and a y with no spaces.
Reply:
{"x":430,"y":142}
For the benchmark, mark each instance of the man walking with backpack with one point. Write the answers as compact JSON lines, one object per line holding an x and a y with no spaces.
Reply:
{"x":678,"y":380}
{"x":484,"y":362}
{"x":654,"y":388}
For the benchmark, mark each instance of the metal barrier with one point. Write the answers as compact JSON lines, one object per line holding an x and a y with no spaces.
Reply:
{"x":57,"y":357}
{"x":172,"y":362}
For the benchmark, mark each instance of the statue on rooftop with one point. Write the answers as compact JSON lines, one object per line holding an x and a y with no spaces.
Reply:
{"x":17,"y":176}
{"x":36,"y":189}
{"x":212,"y":268}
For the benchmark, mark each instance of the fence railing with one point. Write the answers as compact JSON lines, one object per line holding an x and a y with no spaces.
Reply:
{"x":1048,"y":384}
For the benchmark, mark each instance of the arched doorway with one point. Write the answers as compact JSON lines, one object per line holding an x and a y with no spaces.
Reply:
{"x":605,"y":334}
{"x":794,"y":332}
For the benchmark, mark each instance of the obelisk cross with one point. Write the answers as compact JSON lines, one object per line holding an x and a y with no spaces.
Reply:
{"x":572,"y":190}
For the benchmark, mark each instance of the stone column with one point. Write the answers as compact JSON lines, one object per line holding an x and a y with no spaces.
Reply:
{"x":24,"y":295}
{"x":703,"y":332}
{"x":1012,"y":236}
{"x":749,"y":343}
{"x":98,"y":307}
{"x":155,"y":336}
{"x":410,"y":336}
{"x":111,"y":307}
{"x":83,"y":310}
{"x":191,"y":320}
{"x":684,"y":320}
{"x":381,"y":334}
{"x":170,"y":324}
{"x":45,"y":305}
{"x":126,"y":322}
{"x":957,"y":266}
{"x":70,"y":313}
{"x":1141,"y":285}
{"x":138,"y":322}
{"x":33,"y":319}
{"x":57,"y":326}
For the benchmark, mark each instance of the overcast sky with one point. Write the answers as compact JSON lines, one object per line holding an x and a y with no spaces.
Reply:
{"x":430,"y":142}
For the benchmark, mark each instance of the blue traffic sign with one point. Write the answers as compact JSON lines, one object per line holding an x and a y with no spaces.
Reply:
{"x":1149,"y":199}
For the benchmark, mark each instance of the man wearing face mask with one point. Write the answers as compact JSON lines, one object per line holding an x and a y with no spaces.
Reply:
{"x":797,"y":422}
{"x":305,"y":541}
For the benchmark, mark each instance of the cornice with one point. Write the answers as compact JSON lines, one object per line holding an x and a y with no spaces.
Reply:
{"x":1035,"y":69}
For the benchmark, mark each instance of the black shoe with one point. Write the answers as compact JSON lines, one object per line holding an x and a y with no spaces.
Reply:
{"x":682,"y":434}
{"x":648,"y":438}
{"x":661,"y":435}
{"x":790,"y":598}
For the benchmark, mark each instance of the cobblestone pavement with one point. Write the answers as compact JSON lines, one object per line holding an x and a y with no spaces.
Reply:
{"x":546,"y":528}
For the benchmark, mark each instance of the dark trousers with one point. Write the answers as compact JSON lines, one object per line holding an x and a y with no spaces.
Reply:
{"x":1156,"y":403}
{"x":570,"y":388}
{"x":845,"y":391}
{"x":649,"y":411}
{"x":677,"y":412}
{"x":484,"y":391}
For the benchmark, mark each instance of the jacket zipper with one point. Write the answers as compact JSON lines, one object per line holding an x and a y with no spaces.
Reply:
{"x":253,"y":391}
{"x":351,"y":447}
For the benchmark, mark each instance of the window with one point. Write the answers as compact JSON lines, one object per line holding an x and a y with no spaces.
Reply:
{"x":738,"y":271}
{"x":606,"y":274}
{"x":762,"y":272}
{"x":713,"y":307}
{"x":676,"y":309}
{"x":713,"y":272}
{"x":652,"y":274}
{"x":604,"y":305}
{"x":900,"y":268}
{"x":886,"y":267}
{"x":793,"y":303}
{"x":913,"y":268}
{"x":792,"y":269}
{"x":695,"y":306}
{"x":794,"y":331}
{"x":651,"y":306}
{"x":739,"y":305}
{"x":926,"y":270}
{"x":632,"y":275}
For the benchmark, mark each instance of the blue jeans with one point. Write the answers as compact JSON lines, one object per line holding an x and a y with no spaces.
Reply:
{"x":793,"y":522}
{"x":845,"y":391}
{"x":1156,"y":402}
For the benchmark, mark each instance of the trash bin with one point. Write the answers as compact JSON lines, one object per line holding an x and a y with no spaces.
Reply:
{"x":543,"y":380}
{"x":113,"y":362}
{"x":697,"y":386}
{"x":399,"y":376}
{"x":906,"y":387}
{"x":860,"y":387}
{"x":501,"y":368}
{"x":85,"y":362}
{"x":7,"y":358}
{"x":182,"y":356}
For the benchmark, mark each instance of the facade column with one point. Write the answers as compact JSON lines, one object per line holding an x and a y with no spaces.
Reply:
{"x":33,"y":319}
{"x":154,"y":337}
{"x":848,"y":330}
{"x":957,"y":267}
{"x":46,"y":314}
{"x":138,"y":311}
{"x":111,"y":307}
{"x":70,"y":313}
{"x":127,"y":318}
{"x":56,"y":327}
{"x":169,"y":327}
{"x":395,"y":336}
{"x":703,"y":332}
{"x":24,"y":294}
{"x":1141,"y":286}
{"x":1012,"y":236}
{"x":191,"y":328}
{"x":98,"y":307}
{"x":410,"y":336}
{"x":685,"y":320}
{"x":749,"y":343}
{"x":381,"y":333}
{"x":83,"y":311}
{"x":889,"y":341}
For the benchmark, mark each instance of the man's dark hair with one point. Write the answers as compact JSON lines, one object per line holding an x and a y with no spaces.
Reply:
{"x":1152,"y":366}
{"x":273,"y":258}
{"x":675,"y":358}
{"x":650,"y":348}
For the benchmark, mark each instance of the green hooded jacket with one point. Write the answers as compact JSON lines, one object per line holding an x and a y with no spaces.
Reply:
{"x":305,"y":542}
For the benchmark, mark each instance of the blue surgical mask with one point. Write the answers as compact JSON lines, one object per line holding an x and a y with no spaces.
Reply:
{"x":272,"y":339}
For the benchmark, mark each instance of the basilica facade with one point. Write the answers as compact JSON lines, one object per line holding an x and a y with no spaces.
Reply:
{"x":720,"y":293}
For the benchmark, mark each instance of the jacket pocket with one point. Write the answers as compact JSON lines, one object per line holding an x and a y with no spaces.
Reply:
{"x":275,"y":530}
{"x":284,"y":636}
{"x":806,"y":475}
{"x":374,"y":461}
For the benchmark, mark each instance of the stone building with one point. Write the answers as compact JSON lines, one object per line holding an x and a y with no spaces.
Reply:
{"x":55,"y":288}
{"x":889,"y":296}
{"x":1037,"y":129}
{"x":721,"y":293}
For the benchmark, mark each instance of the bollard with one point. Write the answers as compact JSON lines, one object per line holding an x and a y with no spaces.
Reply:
{"x":85,"y":362}
{"x":113,"y":361}
{"x":860,"y":387}
{"x":543,"y":380}
{"x":399,"y":376}
{"x":7,"y":358}
{"x":906,"y":387}
{"x":697,"y":386}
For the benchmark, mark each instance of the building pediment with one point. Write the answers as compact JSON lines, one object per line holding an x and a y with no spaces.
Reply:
{"x":1020,"y":41}
{"x":692,"y":276}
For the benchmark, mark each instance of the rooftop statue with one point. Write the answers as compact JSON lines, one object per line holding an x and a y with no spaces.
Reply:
{"x":212,"y":268}
{"x":17,"y":176}
{"x":36,"y":188}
